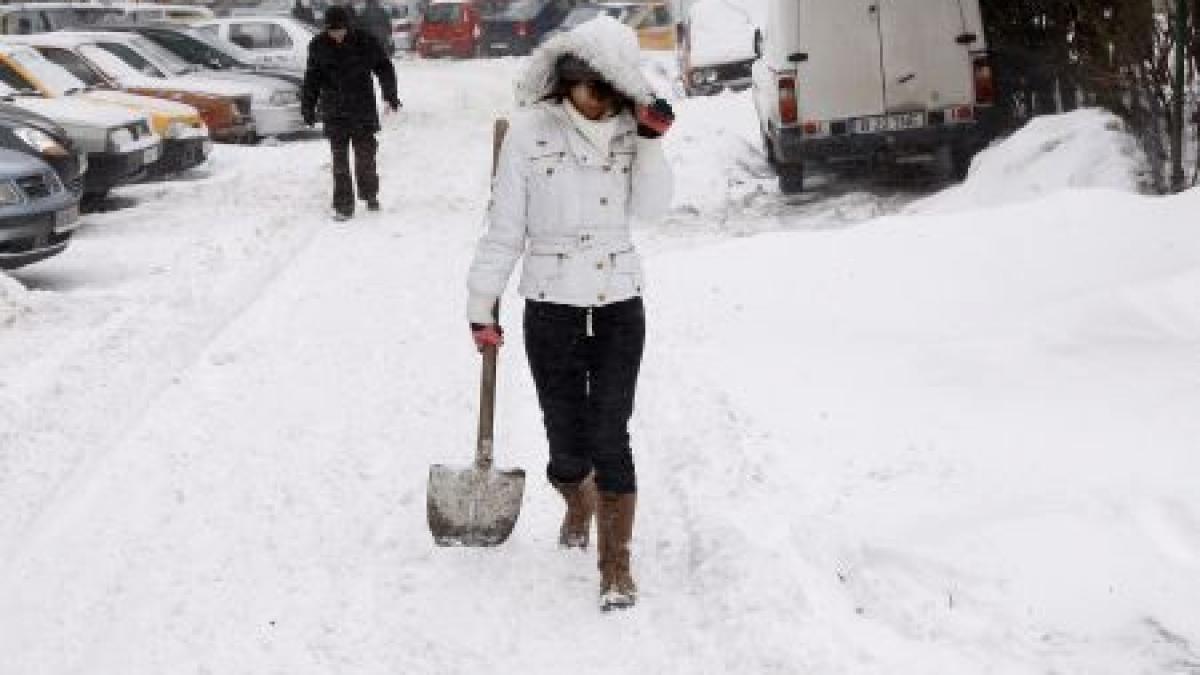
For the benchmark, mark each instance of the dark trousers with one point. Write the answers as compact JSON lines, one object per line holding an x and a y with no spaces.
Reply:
{"x":586,"y":387}
{"x":365,"y":146}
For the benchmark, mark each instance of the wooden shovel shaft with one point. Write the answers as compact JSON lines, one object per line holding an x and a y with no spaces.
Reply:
{"x":487,"y":388}
{"x":487,"y":409}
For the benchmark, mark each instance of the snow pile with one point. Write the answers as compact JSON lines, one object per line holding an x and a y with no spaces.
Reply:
{"x":721,"y":32}
{"x":13,"y":298}
{"x":714,"y":144}
{"x":1082,"y":149}
{"x":984,"y":424}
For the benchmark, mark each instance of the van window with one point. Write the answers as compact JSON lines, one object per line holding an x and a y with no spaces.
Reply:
{"x":259,"y":35}
{"x":444,"y":13}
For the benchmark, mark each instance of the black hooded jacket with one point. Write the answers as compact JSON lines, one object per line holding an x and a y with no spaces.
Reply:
{"x":339,"y":76}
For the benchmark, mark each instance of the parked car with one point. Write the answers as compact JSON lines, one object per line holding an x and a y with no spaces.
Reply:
{"x":449,"y":28}
{"x":33,"y":134}
{"x":119,"y":143}
{"x":201,"y":49}
{"x":888,"y":82}
{"x":652,"y":21}
{"x":227,"y":114}
{"x":716,"y":48}
{"x":518,"y":27}
{"x":582,"y":13}
{"x":274,"y":40}
{"x":27,"y":18}
{"x":275,"y":104}
{"x":37,"y":212}
{"x":185,"y":138}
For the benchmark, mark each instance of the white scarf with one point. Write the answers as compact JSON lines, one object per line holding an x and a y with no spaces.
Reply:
{"x":598,"y":132}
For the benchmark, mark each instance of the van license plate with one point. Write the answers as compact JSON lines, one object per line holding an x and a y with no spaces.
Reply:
{"x":884,"y":123}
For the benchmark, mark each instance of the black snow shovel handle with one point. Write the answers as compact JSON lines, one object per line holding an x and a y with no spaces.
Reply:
{"x":487,"y":388}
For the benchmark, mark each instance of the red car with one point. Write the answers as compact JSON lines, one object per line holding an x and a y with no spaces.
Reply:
{"x":450,"y":28}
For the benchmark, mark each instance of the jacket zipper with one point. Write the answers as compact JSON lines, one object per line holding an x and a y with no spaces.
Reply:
{"x":590,"y":332}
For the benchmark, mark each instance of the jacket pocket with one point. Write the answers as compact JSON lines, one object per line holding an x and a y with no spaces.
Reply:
{"x":627,"y":275}
{"x":543,"y":272}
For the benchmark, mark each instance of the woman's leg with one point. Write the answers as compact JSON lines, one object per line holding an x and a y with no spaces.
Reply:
{"x":555,"y":345}
{"x":614,"y":361}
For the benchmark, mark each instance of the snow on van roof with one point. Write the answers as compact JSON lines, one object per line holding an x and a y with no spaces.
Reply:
{"x":720,"y":32}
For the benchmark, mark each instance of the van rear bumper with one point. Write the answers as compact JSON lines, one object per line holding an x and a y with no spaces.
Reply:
{"x":792,"y":145}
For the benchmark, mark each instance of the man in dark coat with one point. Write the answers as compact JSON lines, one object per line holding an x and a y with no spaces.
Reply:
{"x":341,"y":61}
{"x":375,"y":20}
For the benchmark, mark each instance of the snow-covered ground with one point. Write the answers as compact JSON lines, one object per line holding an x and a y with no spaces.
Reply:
{"x":882,"y":434}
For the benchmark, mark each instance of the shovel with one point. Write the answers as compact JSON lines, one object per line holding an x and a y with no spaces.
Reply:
{"x":477,"y":505}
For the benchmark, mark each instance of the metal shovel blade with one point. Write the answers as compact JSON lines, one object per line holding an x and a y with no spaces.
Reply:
{"x":468,"y":506}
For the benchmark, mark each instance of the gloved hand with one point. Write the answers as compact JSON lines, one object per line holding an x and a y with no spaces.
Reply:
{"x":310,"y":117}
{"x":485,"y":334}
{"x":655,"y":119}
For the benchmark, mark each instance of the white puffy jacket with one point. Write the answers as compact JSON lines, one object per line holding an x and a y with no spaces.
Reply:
{"x":568,"y":209}
{"x":561,"y":203}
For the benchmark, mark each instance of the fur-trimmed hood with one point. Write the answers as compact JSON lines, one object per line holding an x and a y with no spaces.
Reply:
{"x":607,"y":45}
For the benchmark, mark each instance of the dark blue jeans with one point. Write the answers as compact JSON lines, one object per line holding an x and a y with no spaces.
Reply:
{"x":586,"y":386}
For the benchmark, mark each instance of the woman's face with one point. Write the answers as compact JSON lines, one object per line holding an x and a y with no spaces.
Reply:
{"x":593,"y":100}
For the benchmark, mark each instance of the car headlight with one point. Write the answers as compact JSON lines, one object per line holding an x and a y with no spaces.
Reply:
{"x":284,"y":97}
{"x":9,"y":194}
{"x":118,"y":138}
{"x":176,"y":130}
{"x":40,"y":141}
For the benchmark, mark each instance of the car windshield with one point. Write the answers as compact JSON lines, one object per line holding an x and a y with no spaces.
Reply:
{"x":444,"y":13}
{"x":48,"y":75}
{"x":111,"y":64}
{"x":239,"y":56}
{"x":163,"y":58}
{"x":522,"y":9}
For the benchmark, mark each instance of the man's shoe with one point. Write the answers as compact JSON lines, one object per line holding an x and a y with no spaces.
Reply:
{"x":372,"y":204}
{"x":342,"y":216}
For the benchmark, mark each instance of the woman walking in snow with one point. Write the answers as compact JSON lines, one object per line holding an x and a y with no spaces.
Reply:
{"x":582,"y":159}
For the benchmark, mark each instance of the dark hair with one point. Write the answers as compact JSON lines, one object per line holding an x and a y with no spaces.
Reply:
{"x":571,"y":70}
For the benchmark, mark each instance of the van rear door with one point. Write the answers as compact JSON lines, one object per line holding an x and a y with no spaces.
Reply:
{"x":926,"y":47}
{"x":839,"y":75}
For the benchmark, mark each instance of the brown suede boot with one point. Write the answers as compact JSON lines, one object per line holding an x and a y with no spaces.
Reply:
{"x":614,"y":527}
{"x":581,"y":505}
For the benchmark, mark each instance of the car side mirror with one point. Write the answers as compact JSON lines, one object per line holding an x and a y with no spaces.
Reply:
{"x":758,"y":43}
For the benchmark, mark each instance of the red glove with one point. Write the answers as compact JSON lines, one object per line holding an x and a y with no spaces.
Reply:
{"x":485,"y":334}
{"x":655,"y":119}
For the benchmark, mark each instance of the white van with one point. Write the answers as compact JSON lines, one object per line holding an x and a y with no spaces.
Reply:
{"x":871,"y":79}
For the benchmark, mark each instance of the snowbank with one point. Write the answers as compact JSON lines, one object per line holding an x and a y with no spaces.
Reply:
{"x":13,"y":298}
{"x":985,"y":423}
{"x":1082,"y":149}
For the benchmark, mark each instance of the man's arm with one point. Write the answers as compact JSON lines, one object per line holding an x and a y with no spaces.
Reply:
{"x":386,"y":73}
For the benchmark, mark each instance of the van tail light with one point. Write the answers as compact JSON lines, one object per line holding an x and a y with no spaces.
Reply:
{"x":985,"y":86}
{"x":522,"y":29}
{"x":789,"y":112}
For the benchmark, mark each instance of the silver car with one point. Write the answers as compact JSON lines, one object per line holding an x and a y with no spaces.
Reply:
{"x":37,"y":213}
